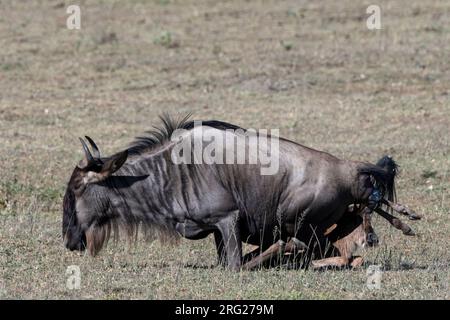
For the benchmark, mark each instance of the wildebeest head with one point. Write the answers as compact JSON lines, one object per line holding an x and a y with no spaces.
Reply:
{"x":83,"y":208}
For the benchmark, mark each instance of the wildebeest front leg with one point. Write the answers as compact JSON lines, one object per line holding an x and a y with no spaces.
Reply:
{"x":221,"y":252}
{"x":397,"y":223}
{"x":229,"y":229}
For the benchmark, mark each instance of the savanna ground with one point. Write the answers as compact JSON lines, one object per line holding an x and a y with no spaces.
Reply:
{"x":311,"y":69}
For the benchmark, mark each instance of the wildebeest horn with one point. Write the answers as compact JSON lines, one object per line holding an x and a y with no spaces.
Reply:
{"x":87,"y":153}
{"x":94,"y":147}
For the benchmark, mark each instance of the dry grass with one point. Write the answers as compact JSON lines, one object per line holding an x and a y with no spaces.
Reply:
{"x":311,"y":69}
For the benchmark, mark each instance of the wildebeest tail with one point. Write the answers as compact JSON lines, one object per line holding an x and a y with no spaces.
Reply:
{"x":383,"y":174}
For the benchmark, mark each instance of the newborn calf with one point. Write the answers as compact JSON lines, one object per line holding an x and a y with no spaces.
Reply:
{"x":352,"y":232}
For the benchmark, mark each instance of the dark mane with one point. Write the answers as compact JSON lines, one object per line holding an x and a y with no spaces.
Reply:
{"x":161,"y":134}
{"x":68,"y":209}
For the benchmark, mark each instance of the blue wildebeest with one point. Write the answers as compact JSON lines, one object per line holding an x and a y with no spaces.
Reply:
{"x":146,"y":186}
{"x":335,"y":246}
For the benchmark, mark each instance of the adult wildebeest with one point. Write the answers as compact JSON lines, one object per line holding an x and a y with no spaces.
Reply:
{"x":143,"y":186}
{"x":334,"y":248}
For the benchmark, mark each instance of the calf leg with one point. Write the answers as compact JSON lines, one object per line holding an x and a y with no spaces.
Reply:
{"x":274,"y":250}
{"x":397,"y":223}
{"x":336,"y":262}
{"x":350,"y":233}
{"x":295,"y":246}
{"x":356,"y":262}
{"x":251,"y":255}
{"x":402,"y":209}
{"x":279,"y":248}
{"x":371,"y":236}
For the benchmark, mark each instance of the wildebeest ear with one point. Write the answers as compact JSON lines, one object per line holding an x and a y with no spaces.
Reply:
{"x":108,"y":168}
{"x":114,"y":163}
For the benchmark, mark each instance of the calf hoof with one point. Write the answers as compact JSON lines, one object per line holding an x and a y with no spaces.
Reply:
{"x":316,"y":265}
{"x":357,"y":262}
{"x":299,"y":245}
{"x":414,"y":216}
{"x":372,"y":239}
